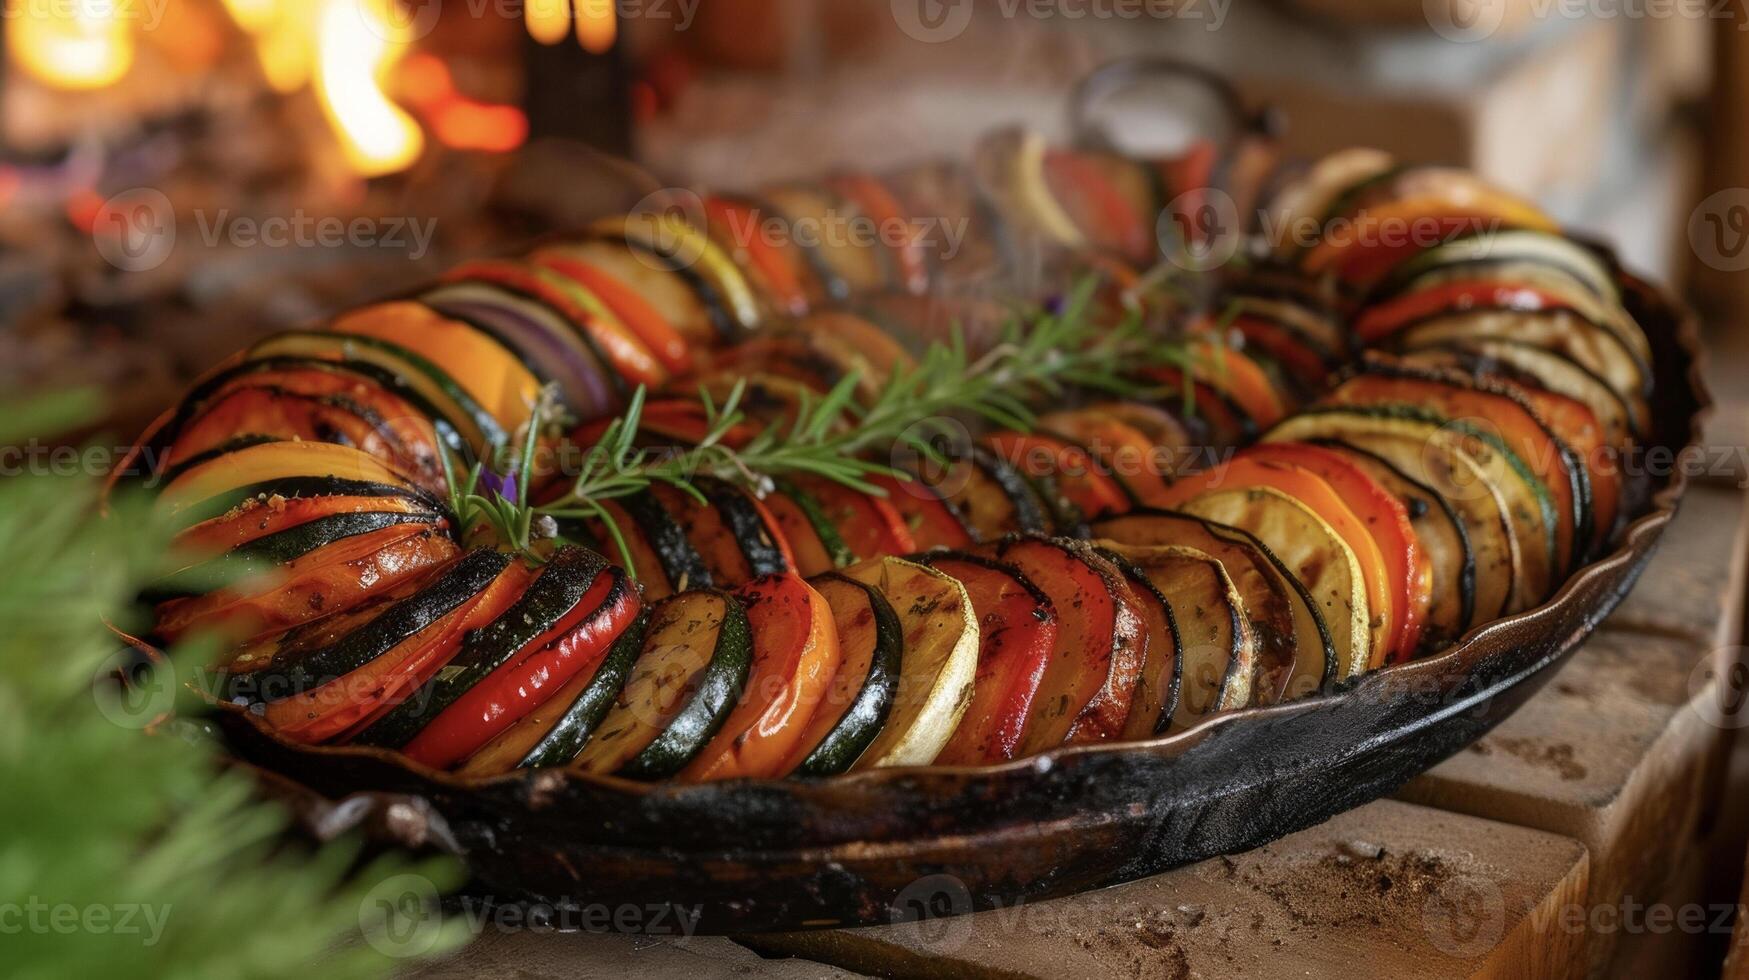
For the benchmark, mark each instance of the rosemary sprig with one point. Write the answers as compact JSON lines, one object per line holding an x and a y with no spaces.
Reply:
{"x":834,"y":436}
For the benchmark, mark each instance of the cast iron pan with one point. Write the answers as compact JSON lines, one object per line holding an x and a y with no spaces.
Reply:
{"x":749,"y":856}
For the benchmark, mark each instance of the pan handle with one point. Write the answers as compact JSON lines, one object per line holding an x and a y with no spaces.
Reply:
{"x":1116,"y":76}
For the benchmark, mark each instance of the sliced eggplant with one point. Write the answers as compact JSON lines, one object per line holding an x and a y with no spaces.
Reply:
{"x":1162,"y":679}
{"x":1217,"y":648}
{"x":692,"y":668}
{"x":1316,"y":555}
{"x":1293,"y":663}
{"x":939,"y":665}
{"x":871,"y":647}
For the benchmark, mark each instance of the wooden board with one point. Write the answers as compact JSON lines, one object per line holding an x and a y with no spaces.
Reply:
{"x":1694,"y":586}
{"x":1389,"y":888}
{"x":1611,"y":753}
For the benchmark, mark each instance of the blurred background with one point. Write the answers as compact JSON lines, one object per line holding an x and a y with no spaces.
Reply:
{"x":178,"y":176}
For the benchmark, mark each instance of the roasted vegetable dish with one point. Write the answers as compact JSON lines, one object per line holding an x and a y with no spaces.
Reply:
{"x":1403,"y":417}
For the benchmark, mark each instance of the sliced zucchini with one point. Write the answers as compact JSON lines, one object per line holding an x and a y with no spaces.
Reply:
{"x":265,"y":555}
{"x":304,"y":657}
{"x":992,"y":496}
{"x":871,"y":646}
{"x":1527,"y":504}
{"x":795,"y":655}
{"x":553,"y":595}
{"x":209,"y":489}
{"x":478,"y":428}
{"x":940,"y":660}
{"x":813,"y":540}
{"x":1315,"y":554}
{"x":551,"y":734}
{"x":692,"y":667}
{"x":1442,"y":463}
{"x":1596,"y":349}
{"x":680,"y":561}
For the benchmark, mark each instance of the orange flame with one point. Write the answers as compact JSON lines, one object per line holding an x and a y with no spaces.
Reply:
{"x":70,"y":45}
{"x":358,"y":43}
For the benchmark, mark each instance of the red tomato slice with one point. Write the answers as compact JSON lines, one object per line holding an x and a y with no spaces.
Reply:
{"x":1017,"y":632}
{"x":579,"y":642}
{"x":1384,"y":319}
{"x":795,"y":653}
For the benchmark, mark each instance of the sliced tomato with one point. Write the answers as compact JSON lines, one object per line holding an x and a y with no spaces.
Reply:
{"x":350,"y":702}
{"x":871,"y":526}
{"x":1322,"y":499}
{"x":1090,"y":683}
{"x":879,"y":204}
{"x":1105,"y":216}
{"x":1363,"y":250}
{"x":795,"y":655}
{"x":1124,"y":450}
{"x":1517,"y":426}
{"x":737,"y":228}
{"x":577,"y":304}
{"x":255,"y":519}
{"x":1383,"y":319}
{"x":1017,"y":632}
{"x":638,"y":314}
{"x":931,"y":520}
{"x":1384,"y":516}
{"x":328,"y":580}
{"x":579,"y":642}
{"x":1077,"y":474}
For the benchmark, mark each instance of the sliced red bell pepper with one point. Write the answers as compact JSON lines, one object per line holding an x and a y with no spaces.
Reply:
{"x":579,"y":642}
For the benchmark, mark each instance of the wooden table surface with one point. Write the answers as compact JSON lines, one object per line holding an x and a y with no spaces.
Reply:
{"x":1579,"y":838}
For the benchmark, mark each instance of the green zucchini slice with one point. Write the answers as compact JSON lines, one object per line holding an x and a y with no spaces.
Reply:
{"x":871,"y":646}
{"x":693,"y":666}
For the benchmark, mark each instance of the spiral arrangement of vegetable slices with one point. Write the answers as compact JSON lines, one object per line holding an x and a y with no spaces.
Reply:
{"x":838,"y":510}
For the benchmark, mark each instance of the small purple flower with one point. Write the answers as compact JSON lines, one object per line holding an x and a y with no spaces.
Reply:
{"x":1054,"y":304}
{"x":503,"y":486}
